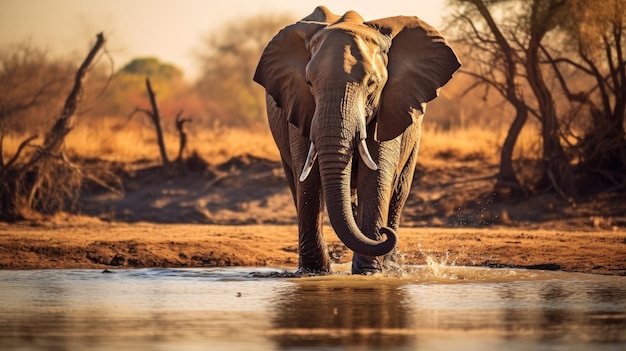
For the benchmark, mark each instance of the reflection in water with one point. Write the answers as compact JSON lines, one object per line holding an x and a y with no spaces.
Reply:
{"x":232,"y":309}
{"x":342,"y":311}
{"x":133,"y":309}
{"x":544,"y":312}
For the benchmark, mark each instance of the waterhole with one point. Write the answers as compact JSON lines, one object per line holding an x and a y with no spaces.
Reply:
{"x":433,"y":307}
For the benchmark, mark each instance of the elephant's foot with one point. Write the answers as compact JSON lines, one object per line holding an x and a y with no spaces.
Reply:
{"x":313,"y":255}
{"x":305,"y":272}
{"x":316,"y":266}
{"x":366,"y":265}
{"x":372,"y":265}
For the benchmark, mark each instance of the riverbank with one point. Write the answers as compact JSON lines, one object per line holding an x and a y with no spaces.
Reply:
{"x":91,"y":243}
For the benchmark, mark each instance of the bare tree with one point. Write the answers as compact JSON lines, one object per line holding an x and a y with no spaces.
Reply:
{"x":596,"y":33}
{"x":46,"y":179}
{"x":182,"y":135}
{"x":155,"y":117}
{"x":31,"y":83}
{"x":496,"y":66}
{"x":526,"y":51}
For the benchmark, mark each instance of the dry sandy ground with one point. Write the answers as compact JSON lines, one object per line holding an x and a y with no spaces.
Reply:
{"x":241,"y":213}
{"x":94,"y":244}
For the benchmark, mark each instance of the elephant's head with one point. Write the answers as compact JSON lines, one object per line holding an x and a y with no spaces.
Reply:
{"x":333,"y":76}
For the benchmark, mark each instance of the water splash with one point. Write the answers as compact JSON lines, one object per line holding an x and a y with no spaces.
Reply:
{"x":396,"y":265}
{"x":443,"y":268}
{"x":438,"y":267}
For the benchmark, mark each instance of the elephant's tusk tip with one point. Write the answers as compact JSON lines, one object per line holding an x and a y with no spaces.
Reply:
{"x":308,"y":164}
{"x":366,"y":157}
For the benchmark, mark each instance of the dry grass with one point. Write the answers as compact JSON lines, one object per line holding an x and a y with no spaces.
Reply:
{"x":135,"y":140}
{"x":473,"y":143}
{"x":221,"y":144}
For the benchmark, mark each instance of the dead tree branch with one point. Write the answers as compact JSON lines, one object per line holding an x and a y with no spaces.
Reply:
{"x":155,"y":117}
{"x":180,"y":124}
{"x":65,"y":122}
{"x":47,"y":180}
{"x":20,"y":148}
{"x":156,"y":120}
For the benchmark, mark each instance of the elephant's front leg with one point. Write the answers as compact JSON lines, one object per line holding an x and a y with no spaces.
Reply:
{"x":374,"y":190}
{"x":312,"y":251}
{"x":402,"y":184}
{"x":399,"y":197}
{"x":383,"y":193}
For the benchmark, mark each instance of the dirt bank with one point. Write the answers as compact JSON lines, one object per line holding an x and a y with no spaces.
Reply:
{"x":241,"y":213}
{"x":89,"y":243}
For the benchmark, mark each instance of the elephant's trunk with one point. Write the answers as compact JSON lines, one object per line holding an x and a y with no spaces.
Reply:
{"x":335,"y":164}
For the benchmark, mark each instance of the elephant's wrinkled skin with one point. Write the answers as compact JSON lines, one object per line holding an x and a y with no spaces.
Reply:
{"x":339,"y":87}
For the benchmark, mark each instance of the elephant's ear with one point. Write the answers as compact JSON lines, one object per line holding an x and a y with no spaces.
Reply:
{"x":420,"y":62}
{"x":281,"y":69}
{"x":321,"y":14}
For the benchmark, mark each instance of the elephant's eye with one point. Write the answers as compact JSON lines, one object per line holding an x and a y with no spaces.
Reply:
{"x":308,"y":82}
{"x":371,"y":83}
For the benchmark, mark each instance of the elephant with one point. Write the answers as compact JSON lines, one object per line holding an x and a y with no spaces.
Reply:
{"x":335,"y":86}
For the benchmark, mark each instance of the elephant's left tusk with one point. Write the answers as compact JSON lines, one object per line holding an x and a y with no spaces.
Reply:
{"x":365,"y":155}
{"x":308,"y":164}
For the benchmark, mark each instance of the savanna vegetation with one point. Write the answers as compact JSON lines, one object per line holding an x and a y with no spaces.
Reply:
{"x":561,"y":63}
{"x":541,"y":95}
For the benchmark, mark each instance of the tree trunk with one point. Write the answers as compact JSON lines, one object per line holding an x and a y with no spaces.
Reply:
{"x":182,"y":136}
{"x":604,"y":146}
{"x":557,"y":172}
{"x":156,"y":120}
{"x":507,"y":178}
{"x":65,"y":123}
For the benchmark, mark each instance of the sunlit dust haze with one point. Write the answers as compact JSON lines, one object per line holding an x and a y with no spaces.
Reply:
{"x":168,"y":30}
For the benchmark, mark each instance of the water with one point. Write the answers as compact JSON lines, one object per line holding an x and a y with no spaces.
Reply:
{"x":433,"y":307}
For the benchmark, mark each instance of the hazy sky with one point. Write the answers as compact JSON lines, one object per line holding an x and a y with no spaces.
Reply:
{"x":169,"y":30}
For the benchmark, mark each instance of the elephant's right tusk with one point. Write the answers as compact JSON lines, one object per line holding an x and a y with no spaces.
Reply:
{"x":308,"y":164}
{"x":365,"y":155}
